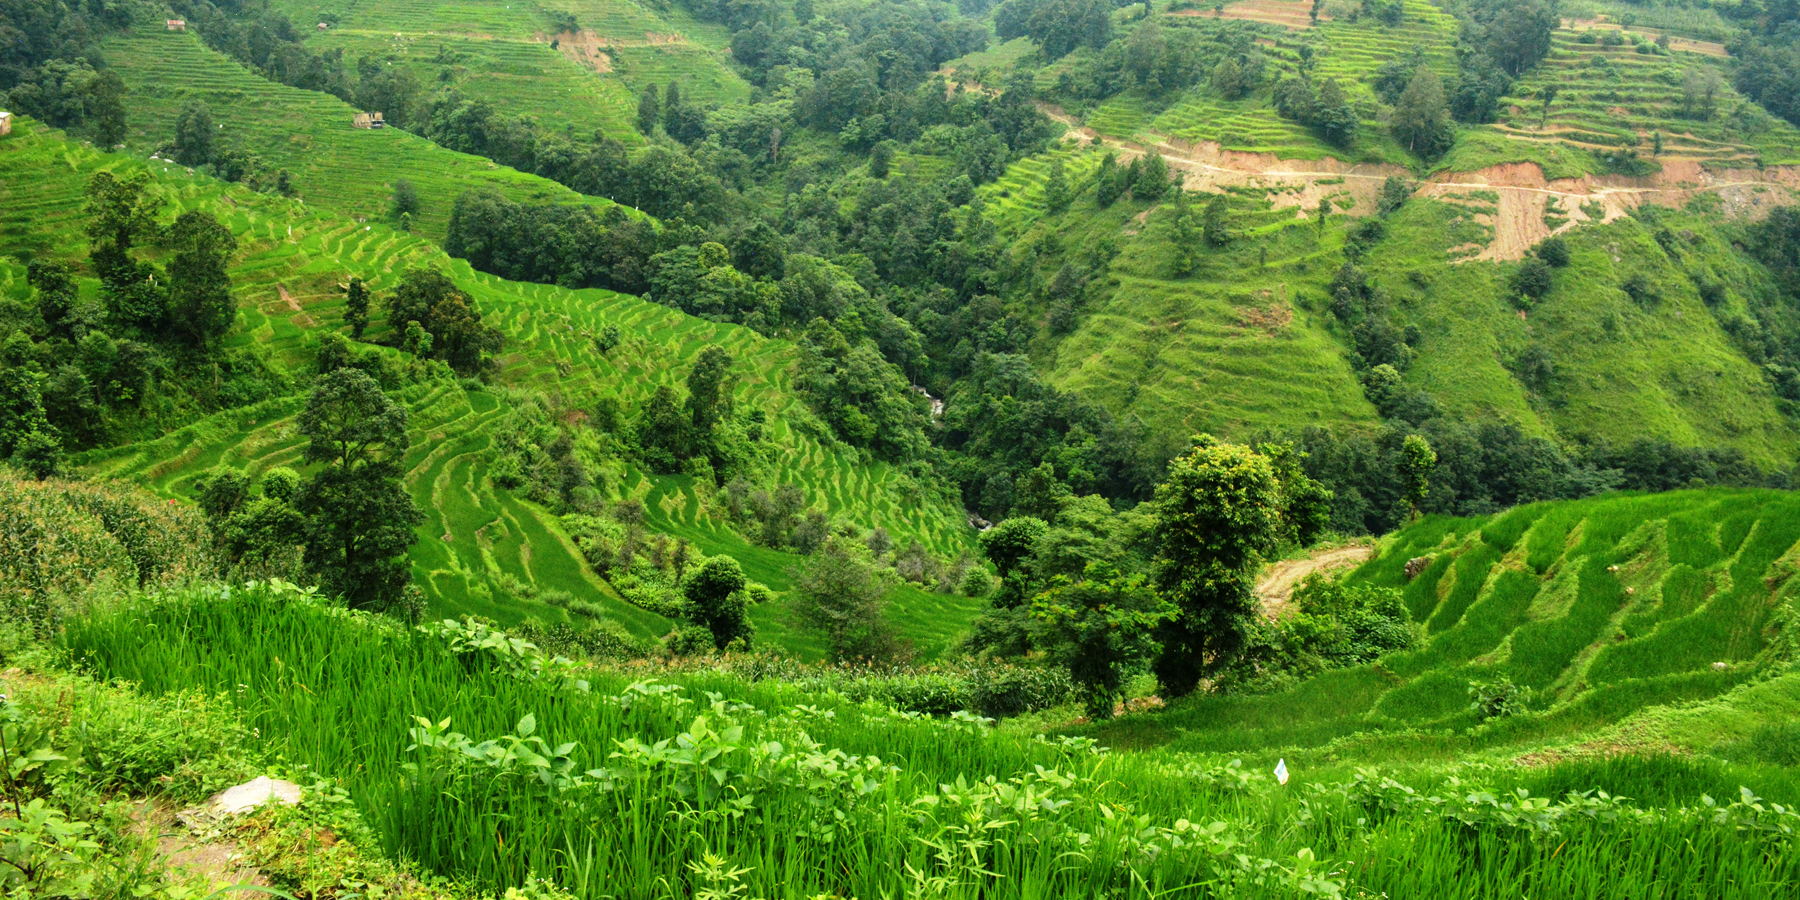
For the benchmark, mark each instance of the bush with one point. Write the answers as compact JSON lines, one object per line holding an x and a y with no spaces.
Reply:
{"x":1497,"y":699}
{"x":1533,"y":279}
{"x":1333,"y":626}
{"x":1554,"y":252}
{"x":1002,"y":691}
{"x":1638,"y":287}
{"x":689,"y":640}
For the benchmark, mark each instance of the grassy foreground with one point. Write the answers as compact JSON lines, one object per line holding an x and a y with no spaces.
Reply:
{"x":488,"y":763}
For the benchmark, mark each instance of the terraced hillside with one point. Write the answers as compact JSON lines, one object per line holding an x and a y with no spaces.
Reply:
{"x":1610,"y":98}
{"x":1247,"y":341}
{"x":1226,"y":349}
{"x":503,"y":53}
{"x":1600,"y":608}
{"x":347,"y":170}
{"x":1591,"y":156}
{"x":481,"y":550}
{"x":1349,"y":52}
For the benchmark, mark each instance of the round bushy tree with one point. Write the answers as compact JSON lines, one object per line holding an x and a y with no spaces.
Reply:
{"x":1102,"y":629}
{"x":716,"y":601}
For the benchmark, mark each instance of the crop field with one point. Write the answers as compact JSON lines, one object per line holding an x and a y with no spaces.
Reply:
{"x":1597,"y":608}
{"x":478,"y":540}
{"x":464,"y":762}
{"x":502,"y":54}
{"x":516,"y":76}
{"x":1609,"y":98}
{"x":347,"y":170}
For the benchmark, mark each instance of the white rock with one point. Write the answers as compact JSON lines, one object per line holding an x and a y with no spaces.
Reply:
{"x":247,"y":796}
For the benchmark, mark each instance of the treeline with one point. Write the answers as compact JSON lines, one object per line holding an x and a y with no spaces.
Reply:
{"x":1768,"y":54}
{"x":51,"y":70}
{"x":78,"y":373}
{"x":268,"y":42}
{"x":1159,"y":60}
{"x":1482,"y":468}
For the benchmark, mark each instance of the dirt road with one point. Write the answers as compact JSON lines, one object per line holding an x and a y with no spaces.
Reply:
{"x":1522,"y":193}
{"x":1275,"y":586}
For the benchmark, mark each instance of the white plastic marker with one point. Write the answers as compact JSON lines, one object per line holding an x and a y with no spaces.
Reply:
{"x":1281,"y":771}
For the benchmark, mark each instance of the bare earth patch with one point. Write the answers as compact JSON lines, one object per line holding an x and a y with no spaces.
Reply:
{"x":1522,"y":189}
{"x":583,"y":48}
{"x":219,"y":862}
{"x":1275,"y":586}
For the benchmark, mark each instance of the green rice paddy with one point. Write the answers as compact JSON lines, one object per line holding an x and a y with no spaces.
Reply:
{"x":477,"y":540}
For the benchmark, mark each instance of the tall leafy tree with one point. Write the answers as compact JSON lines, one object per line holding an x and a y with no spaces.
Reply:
{"x":21,"y":396}
{"x":356,"y":306}
{"x":1182,"y":231}
{"x":56,"y":295}
{"x":1335,"y":118}
{"x":716,"y":602}
{"x":1421,"y":119}
{"x":446,"y":314}
{"x":1216,"y":222}
{"x":1216,"y":514}
{"x":709,"y":390}
{"x":843,"y":594}
{"x":406,"y":199}
{"x":194,"y":134}
{"x":1417,"y":459}
{"x":106,"y":109}
{"x":662,"y":431}
{"x":1102,"y":629}
{"x":359,"y":516}
{"x":119,"y":212}
{"x":200,"y":305}
{"x":1057,"y":194}
{"x":649,"y":110}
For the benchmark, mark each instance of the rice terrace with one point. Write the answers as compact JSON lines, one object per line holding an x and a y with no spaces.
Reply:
{"x":855,"y":450}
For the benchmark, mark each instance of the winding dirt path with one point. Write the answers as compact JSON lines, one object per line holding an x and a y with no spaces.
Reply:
{"x":1275,"y":586}
{"x":1521,"y":192}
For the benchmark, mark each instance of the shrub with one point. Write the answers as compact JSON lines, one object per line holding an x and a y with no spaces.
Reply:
{"x":1497,"y":699}
{"x":1554,"y":252}
{"x":689,"y":640}
{"x":1533,"y":278}
{"x":62,"y":540}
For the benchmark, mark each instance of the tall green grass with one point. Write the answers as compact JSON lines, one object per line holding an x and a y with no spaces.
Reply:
{"x":653,"y":789}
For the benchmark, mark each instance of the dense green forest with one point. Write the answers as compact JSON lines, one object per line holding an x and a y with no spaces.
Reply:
{"x":944,"y":391}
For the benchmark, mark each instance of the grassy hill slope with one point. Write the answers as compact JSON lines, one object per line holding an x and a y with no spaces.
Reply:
{"x":1247,"y":340}
{"x":347,"y":170}
{"x":481,"y":550}
{"x":503,"y":54}
{"x":1600,"y":608}
{"x":1223,"y":349}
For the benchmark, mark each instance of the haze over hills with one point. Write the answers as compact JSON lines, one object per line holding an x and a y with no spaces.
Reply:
{"x":676,"y":448}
